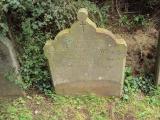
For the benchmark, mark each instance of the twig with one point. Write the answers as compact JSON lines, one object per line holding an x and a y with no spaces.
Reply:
{"x":117,"y":8}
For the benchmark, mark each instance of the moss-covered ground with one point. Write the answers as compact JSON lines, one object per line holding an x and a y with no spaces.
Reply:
{"x":89,"y":107}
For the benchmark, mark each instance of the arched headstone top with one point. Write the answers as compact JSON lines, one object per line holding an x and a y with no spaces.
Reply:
{"x":84,"y":28}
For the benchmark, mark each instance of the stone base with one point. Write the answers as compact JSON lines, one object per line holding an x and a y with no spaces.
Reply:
{"x":8,"y":89}
{"x":101,"y":88}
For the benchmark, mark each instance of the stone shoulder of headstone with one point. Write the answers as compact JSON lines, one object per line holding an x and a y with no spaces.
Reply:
{"x":86,"y":58}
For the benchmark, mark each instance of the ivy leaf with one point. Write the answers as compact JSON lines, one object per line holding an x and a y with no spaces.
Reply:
{"x":5,"y":7}
{"x":4,"y":26}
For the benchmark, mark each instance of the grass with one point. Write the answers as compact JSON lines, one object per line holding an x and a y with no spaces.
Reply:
{"x":88,"y":107}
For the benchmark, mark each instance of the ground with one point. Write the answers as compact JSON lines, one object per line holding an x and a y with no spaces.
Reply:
{"x":141,"y":53}
{"x":89,"y":107}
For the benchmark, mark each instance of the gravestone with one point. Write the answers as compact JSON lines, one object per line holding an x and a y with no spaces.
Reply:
{"x":158,"y":62}
{"x":86,"y":59}
{"x":8,"y":63}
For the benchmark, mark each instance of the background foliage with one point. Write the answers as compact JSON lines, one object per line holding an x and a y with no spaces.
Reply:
{"x":29,"y":23}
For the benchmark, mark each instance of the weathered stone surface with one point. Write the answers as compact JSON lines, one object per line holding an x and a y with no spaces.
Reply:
{"x":8,"y":63}
{"x":158,"y":63}
{"x":85,"y":58}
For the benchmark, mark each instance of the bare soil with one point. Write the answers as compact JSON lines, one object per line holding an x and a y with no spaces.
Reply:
{"x":141,"y":55}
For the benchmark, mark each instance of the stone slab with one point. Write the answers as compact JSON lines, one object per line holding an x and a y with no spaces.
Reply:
{"x":158,"y":63}
{"x":7,"y":64}
{"x":86,"y":59}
